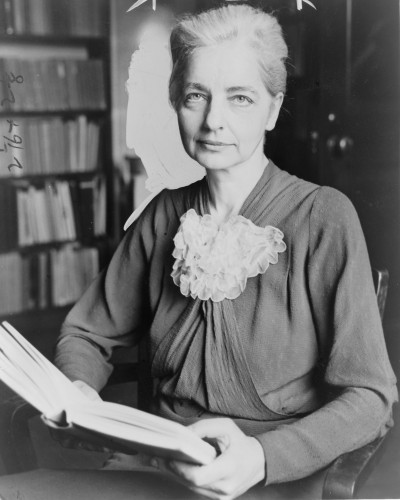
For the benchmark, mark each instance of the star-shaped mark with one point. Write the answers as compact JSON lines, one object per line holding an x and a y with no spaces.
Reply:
{"x":140,"y":2}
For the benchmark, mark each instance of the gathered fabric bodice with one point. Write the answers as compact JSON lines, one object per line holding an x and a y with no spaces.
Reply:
{"x":204,"y":357}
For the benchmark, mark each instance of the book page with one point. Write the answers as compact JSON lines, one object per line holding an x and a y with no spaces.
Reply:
{"x":26,"y":371}
{"x":125,"y":429}
{"x":34,"y":378}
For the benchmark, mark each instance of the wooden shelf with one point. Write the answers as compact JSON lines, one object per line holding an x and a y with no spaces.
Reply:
{"x":63,"y":40}
{"x":96,"y":46}
{"x":48,"y":177}
{"x":65,"y":113}
{"x":95,"y":241}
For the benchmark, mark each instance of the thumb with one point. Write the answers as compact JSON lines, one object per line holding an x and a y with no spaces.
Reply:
{"x":217,"y":430}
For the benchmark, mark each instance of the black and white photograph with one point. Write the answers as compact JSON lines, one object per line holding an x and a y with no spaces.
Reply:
{"x":199,"y":249}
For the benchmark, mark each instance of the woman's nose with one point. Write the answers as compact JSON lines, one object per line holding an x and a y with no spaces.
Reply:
{"x":214,"y":117}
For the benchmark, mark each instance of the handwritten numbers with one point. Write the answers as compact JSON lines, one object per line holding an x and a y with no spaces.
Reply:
{"x":12,"y":142}
{"x":12,"y":139}
{"x":16,"y":165}
{"x":10,"y":99}
{"x":11,"y":124}
{"x":12,"y":78}
{"x":9,"y":79}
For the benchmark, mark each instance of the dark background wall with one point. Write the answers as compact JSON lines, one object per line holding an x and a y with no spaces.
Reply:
{"x":340,"y":121}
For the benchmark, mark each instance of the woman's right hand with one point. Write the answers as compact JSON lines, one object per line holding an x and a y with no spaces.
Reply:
{"x":70,"y":441}
{"x":239,"y":466}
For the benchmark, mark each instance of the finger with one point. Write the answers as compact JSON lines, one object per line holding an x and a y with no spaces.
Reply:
{"x":226,"y":488}
{"x":215,"y":427}
{"x":165,"y":466}
{"x":206,"y":475}
{"x":210,"y":494}
{"x":169,"y":466}
{"x":221,"y":493}
{"x":220,"y":432}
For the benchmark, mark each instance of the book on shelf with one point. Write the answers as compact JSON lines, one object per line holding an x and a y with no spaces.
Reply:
{"x":51,"y":145}
{"x":90,"y":197}
{"x":8,"y":219}
{"x":53,"y":17}
{"x":46,"y":278}
{"x":72,"y":269}
{"x":55,"y":211}
{"x":35,"y":287}
{"x":64,"y":407}
{"x":51,"y":84}
{"x":11,"y":273}
{"x":7,"y":13}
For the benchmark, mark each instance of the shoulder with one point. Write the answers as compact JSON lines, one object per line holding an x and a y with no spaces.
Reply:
{"x":334,"y":222}
{"x":291,"y":192}
{"x":166,"y":208}
{"x":332,"y":207}
{"x":173,"y":203}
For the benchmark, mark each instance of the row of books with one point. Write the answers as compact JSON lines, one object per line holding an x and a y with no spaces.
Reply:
{"x":72,"y":270}
{"x":49,"y":145}
{"x":53,"y":17}
{"x":45,"y":279}
{"x":57,"y":211}
{"x":51,"y":84}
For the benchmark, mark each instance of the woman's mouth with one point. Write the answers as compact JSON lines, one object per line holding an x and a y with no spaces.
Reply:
{"x":213,"y":145}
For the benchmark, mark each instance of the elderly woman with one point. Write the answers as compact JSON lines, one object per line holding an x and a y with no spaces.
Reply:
{"x":253,"y":287}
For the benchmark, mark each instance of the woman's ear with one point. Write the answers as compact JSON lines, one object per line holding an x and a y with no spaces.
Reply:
{"x":274,"y":110}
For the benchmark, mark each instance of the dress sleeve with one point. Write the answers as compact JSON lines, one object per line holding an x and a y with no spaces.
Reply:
{"x":112,"y":312}
{"x":360,"y":383}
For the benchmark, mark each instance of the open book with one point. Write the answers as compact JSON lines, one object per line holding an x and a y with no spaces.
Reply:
{"x":63,"y":406}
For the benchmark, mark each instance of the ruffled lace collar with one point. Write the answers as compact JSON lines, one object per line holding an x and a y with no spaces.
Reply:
{"x":214,"y":261}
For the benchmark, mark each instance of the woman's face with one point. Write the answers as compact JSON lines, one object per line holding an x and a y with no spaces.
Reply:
{"x":225,"y":107}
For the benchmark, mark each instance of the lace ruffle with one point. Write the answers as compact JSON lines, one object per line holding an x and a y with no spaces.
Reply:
{"x":214,"y":261}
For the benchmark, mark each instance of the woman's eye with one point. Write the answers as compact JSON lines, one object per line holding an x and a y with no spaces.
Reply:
{"x":194,"y":97}
{"x":243,"y":100}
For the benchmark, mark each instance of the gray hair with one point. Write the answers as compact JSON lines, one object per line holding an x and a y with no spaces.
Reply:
{"x":259,"y":30}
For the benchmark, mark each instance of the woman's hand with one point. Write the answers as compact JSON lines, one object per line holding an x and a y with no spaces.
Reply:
{"x":240,"y":465}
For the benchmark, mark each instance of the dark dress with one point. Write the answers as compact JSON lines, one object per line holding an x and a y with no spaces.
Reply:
{"x":298,"y":360}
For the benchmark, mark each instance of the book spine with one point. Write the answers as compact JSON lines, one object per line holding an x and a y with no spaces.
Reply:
{"x":86,"y":209}
{"x":100,"y":207}
{"x":18,"y":11}
{"x":43,"y":277}
{"x":68,"y":210}
{"x":3,"y":25}
{"x":9,"y":17}
{"x":31,"y":284}
{"x":83,"y":139}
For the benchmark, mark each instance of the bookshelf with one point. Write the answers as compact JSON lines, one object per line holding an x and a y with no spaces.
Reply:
{"x":55,"y":156}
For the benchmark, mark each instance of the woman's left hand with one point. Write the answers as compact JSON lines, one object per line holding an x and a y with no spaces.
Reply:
{"x":240,"y":465}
